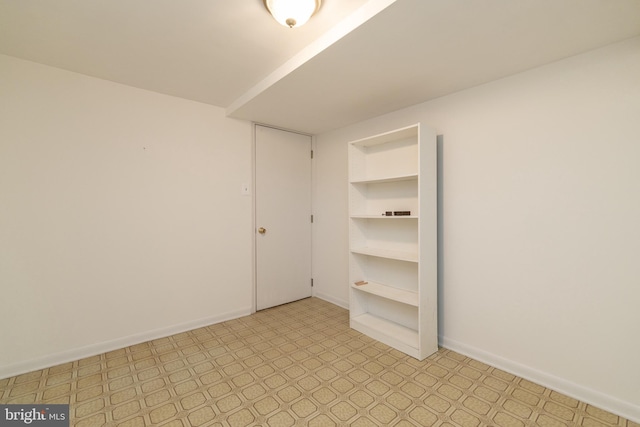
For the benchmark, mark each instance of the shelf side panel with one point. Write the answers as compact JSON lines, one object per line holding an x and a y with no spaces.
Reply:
{"x":428,"y":258}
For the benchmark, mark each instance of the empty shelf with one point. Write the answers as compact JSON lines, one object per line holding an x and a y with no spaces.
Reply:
{"x":386,"y":253}
{"x":389,"y":292}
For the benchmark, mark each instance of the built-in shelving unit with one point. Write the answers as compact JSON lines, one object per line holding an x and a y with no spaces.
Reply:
{"x":395,"y":255}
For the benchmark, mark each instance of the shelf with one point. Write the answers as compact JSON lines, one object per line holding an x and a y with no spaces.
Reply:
{"x":395,"y":255}
{"x":385,"y":331}
{"x":394,"y":135}
{"x":397,"y":178}
{"x":389,"y":292}
{"x":386,"y":253}
{"x":383,"y":217}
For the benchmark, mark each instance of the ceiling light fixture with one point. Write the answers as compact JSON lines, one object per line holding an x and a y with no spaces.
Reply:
{"x":292,"y":13}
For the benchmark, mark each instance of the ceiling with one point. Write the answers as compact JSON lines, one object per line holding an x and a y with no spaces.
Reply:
{"x":354,"y":60}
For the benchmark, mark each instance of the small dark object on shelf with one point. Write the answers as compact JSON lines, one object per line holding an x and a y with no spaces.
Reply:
{"x":402,"y":213}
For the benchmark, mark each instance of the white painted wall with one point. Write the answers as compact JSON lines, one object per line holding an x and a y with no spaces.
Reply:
{"x":121,"y":215}
{"x":540,"y":222}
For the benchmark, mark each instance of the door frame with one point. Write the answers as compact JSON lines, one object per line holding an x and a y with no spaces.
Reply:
{"x":254,"y":226}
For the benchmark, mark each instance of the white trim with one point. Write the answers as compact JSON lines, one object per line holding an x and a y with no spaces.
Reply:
{"x":326,"y":297}
{"x":103,"y":347}
{"x":593,"y":397}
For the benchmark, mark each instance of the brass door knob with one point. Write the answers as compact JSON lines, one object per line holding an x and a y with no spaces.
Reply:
{"x":262,"y":230}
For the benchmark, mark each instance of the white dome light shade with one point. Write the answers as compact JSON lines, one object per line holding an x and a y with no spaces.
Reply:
{"x":292,"y":13}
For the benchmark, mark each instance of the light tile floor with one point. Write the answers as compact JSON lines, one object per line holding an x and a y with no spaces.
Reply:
{"x":296,"y":364}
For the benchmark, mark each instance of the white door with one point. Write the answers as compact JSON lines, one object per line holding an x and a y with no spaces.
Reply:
{"x":283,"y":216}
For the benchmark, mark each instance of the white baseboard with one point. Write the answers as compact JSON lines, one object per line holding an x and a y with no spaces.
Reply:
{"x":103,"y":347}
{"x":603,"y":401}
{"x":332,"y":300}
